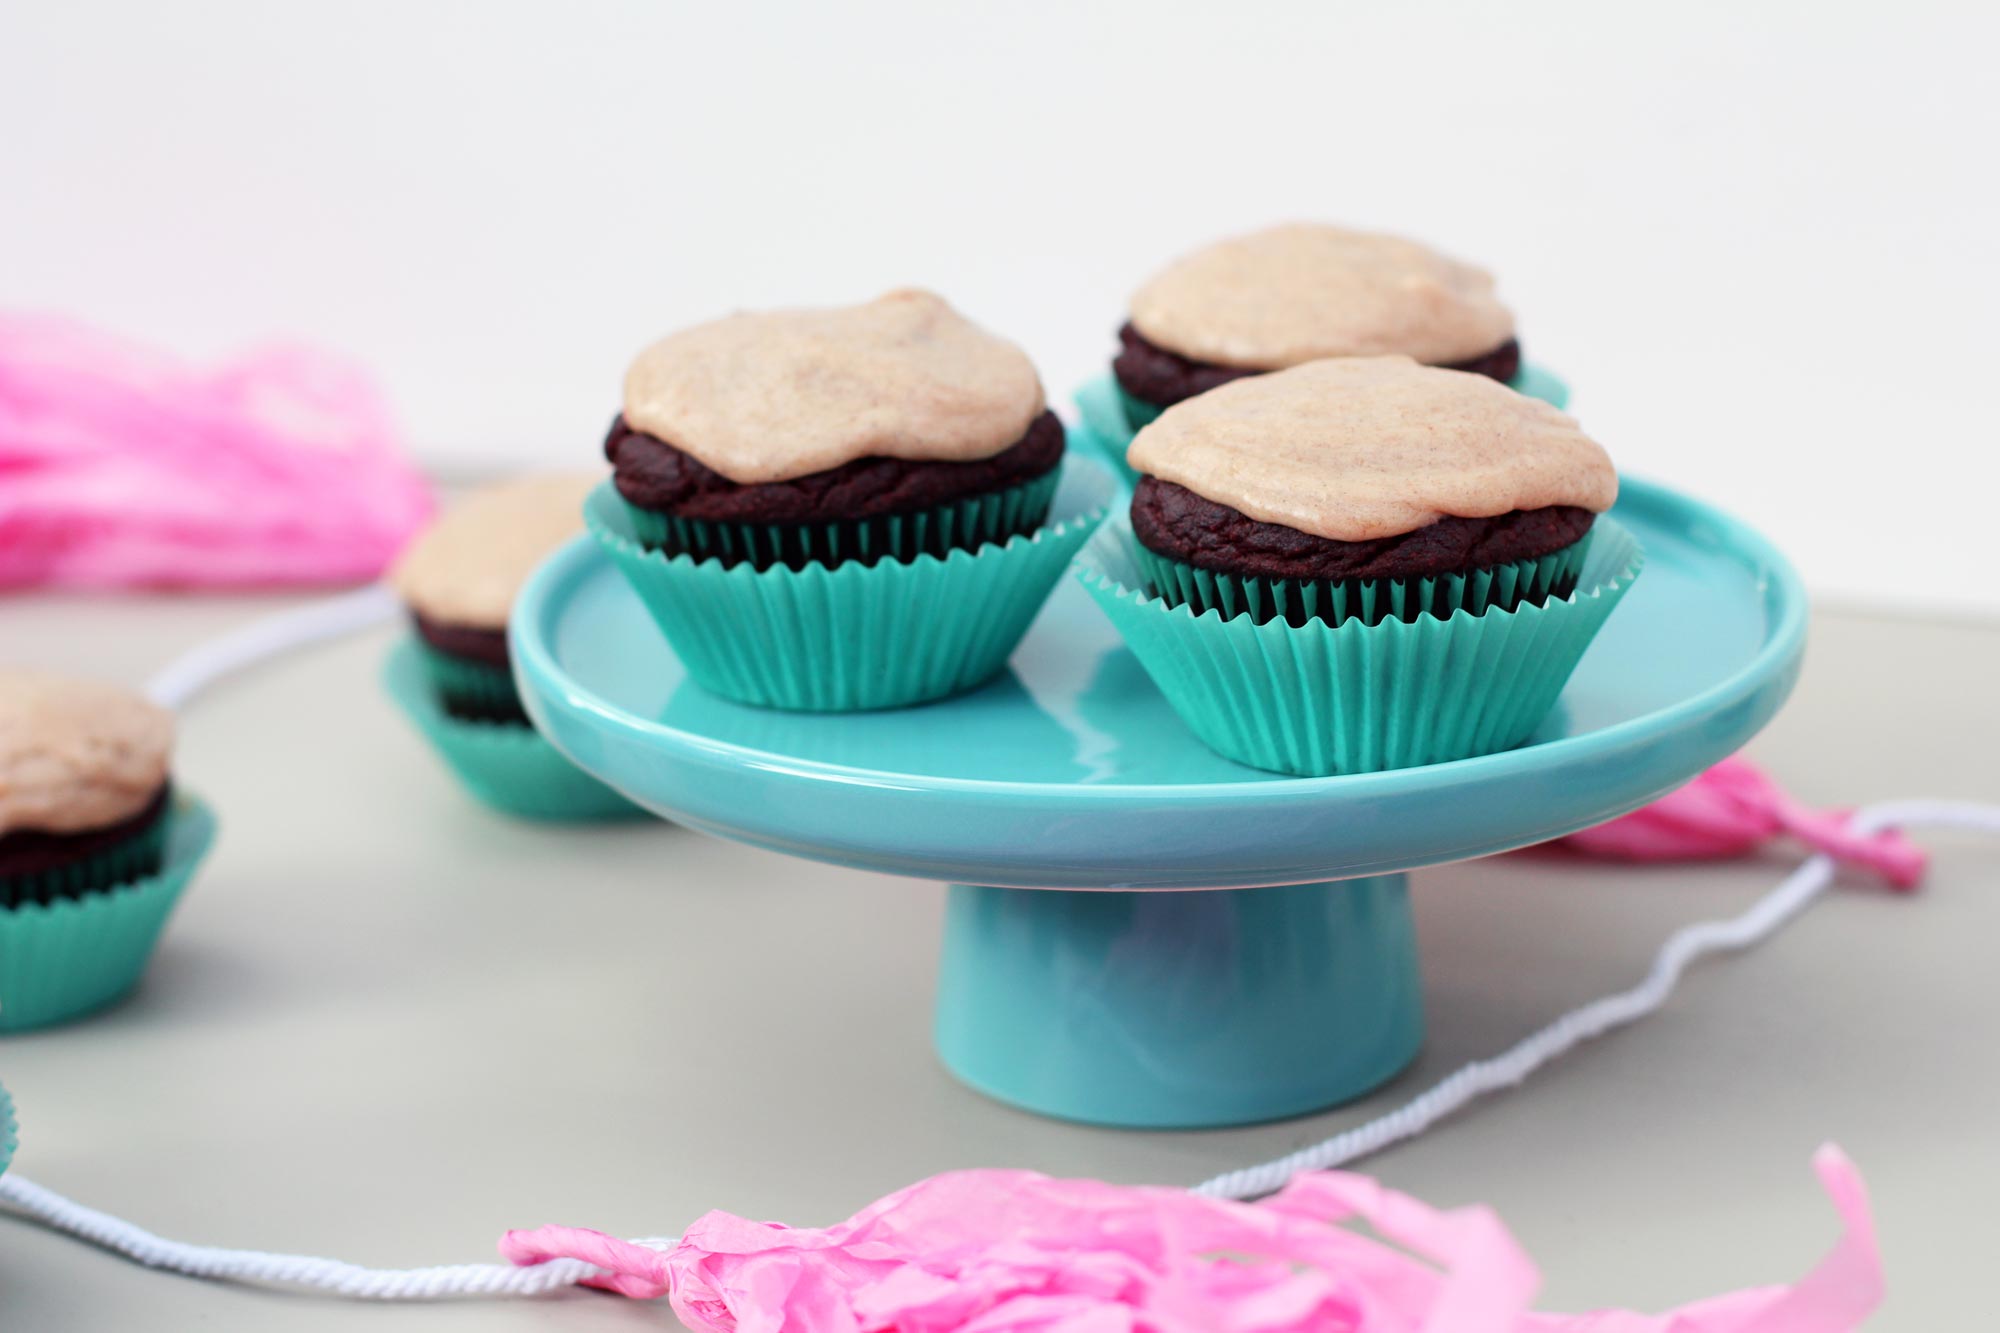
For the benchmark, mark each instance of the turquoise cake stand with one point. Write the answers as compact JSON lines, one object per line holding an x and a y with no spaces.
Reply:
{"x":1247,"y":951}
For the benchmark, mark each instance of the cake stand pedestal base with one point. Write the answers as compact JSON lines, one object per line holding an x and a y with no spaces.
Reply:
{"x":1179,"y":1010}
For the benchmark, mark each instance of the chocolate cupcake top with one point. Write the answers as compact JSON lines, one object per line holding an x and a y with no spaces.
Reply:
{"x":776,"y":395}
{"x":465,"y":569}
{"x":77,"y":755}
{"x":1360,"y":448}
{"x":1304,"y":291}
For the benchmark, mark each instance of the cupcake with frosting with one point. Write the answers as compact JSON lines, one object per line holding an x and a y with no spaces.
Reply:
{"x":1363,"y":563}
{"x":95,"y":844}
{"x":459,"y":578}
{"x":1290,"y":294}
{"x":834,"y":509}
{"x":1365,"y":487}
{"x":83,"y":786}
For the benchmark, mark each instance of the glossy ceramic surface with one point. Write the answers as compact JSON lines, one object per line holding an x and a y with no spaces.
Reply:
{"x":1070,"y":771}
{"x":1176,"y":1010}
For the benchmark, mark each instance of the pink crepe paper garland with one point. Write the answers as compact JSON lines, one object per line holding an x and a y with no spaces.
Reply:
{"x":1731,"y":810}
{"x":125,"y":467}
{"x":1016,"y":1252}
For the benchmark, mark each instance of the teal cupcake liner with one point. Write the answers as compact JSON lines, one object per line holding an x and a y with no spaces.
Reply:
{"x":965,"y":524}
{"x":73,"y":956}
{"x":476,"y":686}
{"x":1370,"y":601}
{"x":1107,"y":433}
{"x":850,"y":637}
{"x":1113,"y":417}
{"x":506,"y":765}
{"x":10,"y":1131}
{"x":130,"y":859}
{"x":1318,"y":699}
{"x":1138,"y":413}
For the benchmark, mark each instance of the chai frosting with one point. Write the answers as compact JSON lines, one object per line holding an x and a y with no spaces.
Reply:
{"x":466,"y":567}
{"x":774,"y":395}
{"x":77,"y":755}
{"x":1361,"y":448}
{"x":1304,"y":291}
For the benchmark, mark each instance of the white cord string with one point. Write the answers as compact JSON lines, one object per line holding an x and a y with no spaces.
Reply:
{"x":295,"y":1270}
{"x":194,"y":671}
{"x":269,"y":636}
{"x":1682,"y":948}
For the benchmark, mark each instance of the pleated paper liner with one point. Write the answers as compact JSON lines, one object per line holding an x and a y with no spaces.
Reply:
{"x":850,"y":637}
{"x":1297,"y":601}
{"x":471,"y":689}
{"x":10,"y":1132}
{"x":504,"y":764}
{"x":1318,"y":699}
{"x":964,"y":524}
{"x":72,"y":956}
{"x":1114,"y":416}
{"x":131,"y":858}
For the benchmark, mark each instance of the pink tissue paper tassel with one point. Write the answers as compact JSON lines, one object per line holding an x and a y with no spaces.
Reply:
{"x":125,"y":467}
{"x":1015,"y":1252}
{"x":1731,"y":810}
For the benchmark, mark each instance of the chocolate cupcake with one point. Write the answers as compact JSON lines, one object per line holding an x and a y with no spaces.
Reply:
{"x":84,"y":790}
{"x":1365,"y":487}
{"x":96,"y":844}
{"x":453,"y":677}
{"x":1362,"y":563}
{"x":1305,"y":292}
{"x":460,"y":576}
{"x":833,"y":510}
{"x":875,"y":432}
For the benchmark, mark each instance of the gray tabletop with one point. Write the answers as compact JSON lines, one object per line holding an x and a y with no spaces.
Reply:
{"x":387,"y":1025}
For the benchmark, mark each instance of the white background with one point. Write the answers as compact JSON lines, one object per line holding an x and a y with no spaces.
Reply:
{"x":1759,"y":243}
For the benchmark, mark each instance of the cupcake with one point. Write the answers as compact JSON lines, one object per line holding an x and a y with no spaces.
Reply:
{"x":95,"y":844}
{"x":839,"y":509}
{"x":1363,"y":563}
{"x":1365,"y":487}
{"x":83,"y":786}
{"x":459,"y":579}
{"x":875,"y":432}
{"x":1297,"y":293}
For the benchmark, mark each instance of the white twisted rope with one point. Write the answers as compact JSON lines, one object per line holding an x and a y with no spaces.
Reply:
{"x":194,"y":671}
{"x":269,"y":636}
{"x":1759,"y":922}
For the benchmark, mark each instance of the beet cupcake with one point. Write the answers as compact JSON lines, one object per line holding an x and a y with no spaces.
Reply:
{"x":95,"y":845}
{"x":1297,"y":293}
{"x":453,"y":677}
{"x":843,"y":508}
{"x":1363,"y":563}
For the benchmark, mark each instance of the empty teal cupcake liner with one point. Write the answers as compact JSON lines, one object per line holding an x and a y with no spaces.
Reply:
{"x":133,"y":858}
{"x":479,"y":686}
{"x":1318,"y":699}
{"x":1113,"y":416}
{"x":505,"y":765}
{"x":851,"y":637}
{"x":73,"y":956}
{"x":1370,"y":601}
{"x":965,"y":524}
